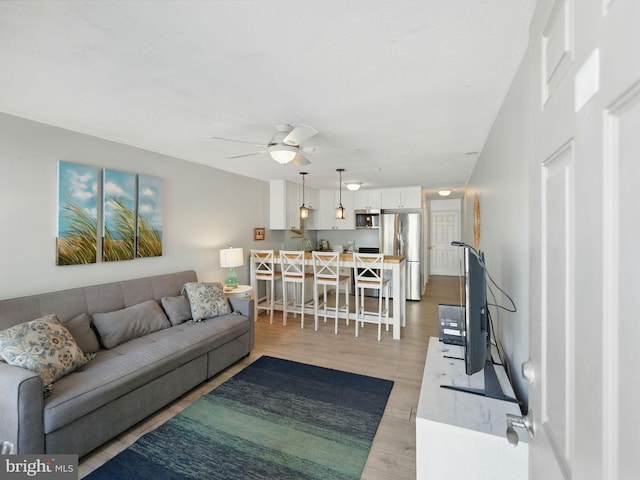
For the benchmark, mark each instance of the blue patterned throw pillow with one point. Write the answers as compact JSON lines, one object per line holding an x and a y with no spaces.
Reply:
{"x":43,"y":346}
{"x":206,"y":299}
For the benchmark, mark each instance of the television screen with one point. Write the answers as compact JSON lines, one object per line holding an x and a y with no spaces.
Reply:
{"x":477,"y":335}
{"x":476,"y":324}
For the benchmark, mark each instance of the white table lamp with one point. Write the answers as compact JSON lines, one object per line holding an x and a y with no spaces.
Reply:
{"x":231,"y":258}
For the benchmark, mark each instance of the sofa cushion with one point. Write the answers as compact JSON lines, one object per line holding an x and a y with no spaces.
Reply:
{"x":206,"y":299}
{"x":120,"y":326}
{"x":43,"y":346}
{"x":177,"y":309}
{"x":122,"y":369}
{"x":85,"y":337}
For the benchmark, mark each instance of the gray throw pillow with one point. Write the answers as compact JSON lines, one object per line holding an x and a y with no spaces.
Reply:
{"x":207,"y":300}
{"x":177,"y":309}
{"x":117,"y":327}
{"x":85,"y":337}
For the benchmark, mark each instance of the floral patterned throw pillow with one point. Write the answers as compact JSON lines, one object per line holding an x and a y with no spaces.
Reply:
{"x":206,"y":299}
{"x":43,"y":346}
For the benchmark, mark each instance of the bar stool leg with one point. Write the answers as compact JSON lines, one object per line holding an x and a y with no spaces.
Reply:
{"x":285,"y":302}
{"x":337,"y":309}
{"x":315,"y":305}
{"x":271,"y":302}
{"x":379,"y":313}
{"x":302,"y":304}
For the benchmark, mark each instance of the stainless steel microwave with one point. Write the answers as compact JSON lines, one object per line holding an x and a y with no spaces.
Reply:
{"x":367,"y":218}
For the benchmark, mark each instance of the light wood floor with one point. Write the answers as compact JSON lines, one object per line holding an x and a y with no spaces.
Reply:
{"x":393,"y":454}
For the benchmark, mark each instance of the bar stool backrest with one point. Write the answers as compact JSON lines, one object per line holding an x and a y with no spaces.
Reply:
{"x":264,"y":264}
{"x":326,"y":266}
{"x":292,"y":265}
{"x":368,"y":269}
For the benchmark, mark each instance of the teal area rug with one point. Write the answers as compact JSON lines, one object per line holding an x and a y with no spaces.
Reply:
{"x":276,"y":419}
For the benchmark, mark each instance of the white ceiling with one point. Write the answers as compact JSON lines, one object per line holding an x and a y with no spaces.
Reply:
{"x":410,"y":89}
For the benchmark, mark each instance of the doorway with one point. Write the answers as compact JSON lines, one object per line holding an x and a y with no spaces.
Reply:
{"x":444,"y":228}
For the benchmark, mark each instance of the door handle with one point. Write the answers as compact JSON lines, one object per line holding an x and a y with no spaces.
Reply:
{"x":527,"y":422}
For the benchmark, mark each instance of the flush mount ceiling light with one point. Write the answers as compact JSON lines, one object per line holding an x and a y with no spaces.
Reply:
{"x":282,"y":153}
{"x":353,"y":186}
{"x":340,"y":208}
{"x":304,"y":211}
{"x":444,"y":193}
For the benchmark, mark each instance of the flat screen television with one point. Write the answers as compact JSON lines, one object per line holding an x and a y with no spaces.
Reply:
{"x":477,"y":334}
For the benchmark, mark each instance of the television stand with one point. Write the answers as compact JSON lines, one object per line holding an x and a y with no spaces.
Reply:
{"x":492,"y":387}
{"x":461,"y":436}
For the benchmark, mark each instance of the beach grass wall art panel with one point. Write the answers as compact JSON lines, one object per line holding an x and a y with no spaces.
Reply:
{"x":119,"y":215}
{"x":77,"y":238}
{"x":149,"y":216}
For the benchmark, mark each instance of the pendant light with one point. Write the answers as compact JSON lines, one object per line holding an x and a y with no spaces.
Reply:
{"x":340,"y":208}
{"x":304,"y":211}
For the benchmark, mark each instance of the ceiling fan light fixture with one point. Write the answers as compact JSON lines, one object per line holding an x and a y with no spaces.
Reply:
{"x":283,"y":154}
{"x":444,"y":192}
{"x":353,"y":186}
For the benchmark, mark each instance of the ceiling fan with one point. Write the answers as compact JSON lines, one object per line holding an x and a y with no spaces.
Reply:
{"x":285,"y":146}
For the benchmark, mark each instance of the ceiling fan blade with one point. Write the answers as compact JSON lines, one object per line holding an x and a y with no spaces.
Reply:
{"x":237,"y":141}
{"x":299,"y":135}
{"x":245,"y":155}
{"x":299,"y":160}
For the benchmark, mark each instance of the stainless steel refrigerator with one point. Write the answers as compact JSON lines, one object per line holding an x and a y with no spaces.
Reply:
{"x":401,"y":234}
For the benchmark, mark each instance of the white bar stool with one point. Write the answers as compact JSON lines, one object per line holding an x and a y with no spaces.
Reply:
{"x":265,"y":269}
{"x":369,"y":274}
{"x":293,"y":270}
{"x":326,"y":272}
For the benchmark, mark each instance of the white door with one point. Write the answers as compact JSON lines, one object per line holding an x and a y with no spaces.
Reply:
{"x":445,"y":227}
{"x":584,"y":284}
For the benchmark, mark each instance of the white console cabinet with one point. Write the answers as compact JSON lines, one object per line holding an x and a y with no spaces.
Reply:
{"x":460,"y":435}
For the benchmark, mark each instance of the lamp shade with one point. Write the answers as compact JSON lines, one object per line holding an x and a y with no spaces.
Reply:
{"x":231,"y":257}
{"x":353,"y":186}
{"x":283,"y":153}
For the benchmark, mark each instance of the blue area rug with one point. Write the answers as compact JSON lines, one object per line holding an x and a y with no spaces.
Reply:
{"x":276,"y":419}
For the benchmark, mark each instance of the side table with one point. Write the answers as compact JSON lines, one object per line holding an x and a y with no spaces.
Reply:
{"x":239,"y":291}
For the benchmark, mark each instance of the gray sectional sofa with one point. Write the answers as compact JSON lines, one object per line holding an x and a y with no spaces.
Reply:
{"x":123,"y":384}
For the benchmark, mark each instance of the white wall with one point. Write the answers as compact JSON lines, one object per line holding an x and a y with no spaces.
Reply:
{"x":500,"y":179}
{"x":362,"y":237}
{"x":205,"y":209}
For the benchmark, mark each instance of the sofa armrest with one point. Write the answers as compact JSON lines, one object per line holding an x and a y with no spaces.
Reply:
{"x":21,"y":409}
{"x":244,"y":306}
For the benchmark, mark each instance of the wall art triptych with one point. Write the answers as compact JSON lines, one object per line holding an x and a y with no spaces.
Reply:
{"x":131,"y":214}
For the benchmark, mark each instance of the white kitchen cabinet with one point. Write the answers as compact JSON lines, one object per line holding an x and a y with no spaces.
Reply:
{"x":311,"y":198}
{"x":284,"y":208}
{"x":367,"y":200}
{"x":325,"y":216}
{"x":294,"y":201}
{"x":406,"y":197}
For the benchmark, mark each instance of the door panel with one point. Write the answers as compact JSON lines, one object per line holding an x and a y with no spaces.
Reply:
{"x":445,"y":228}
{"x":584,"y":302}
{"x":622,"y":302}
{"x":557,"y":304}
